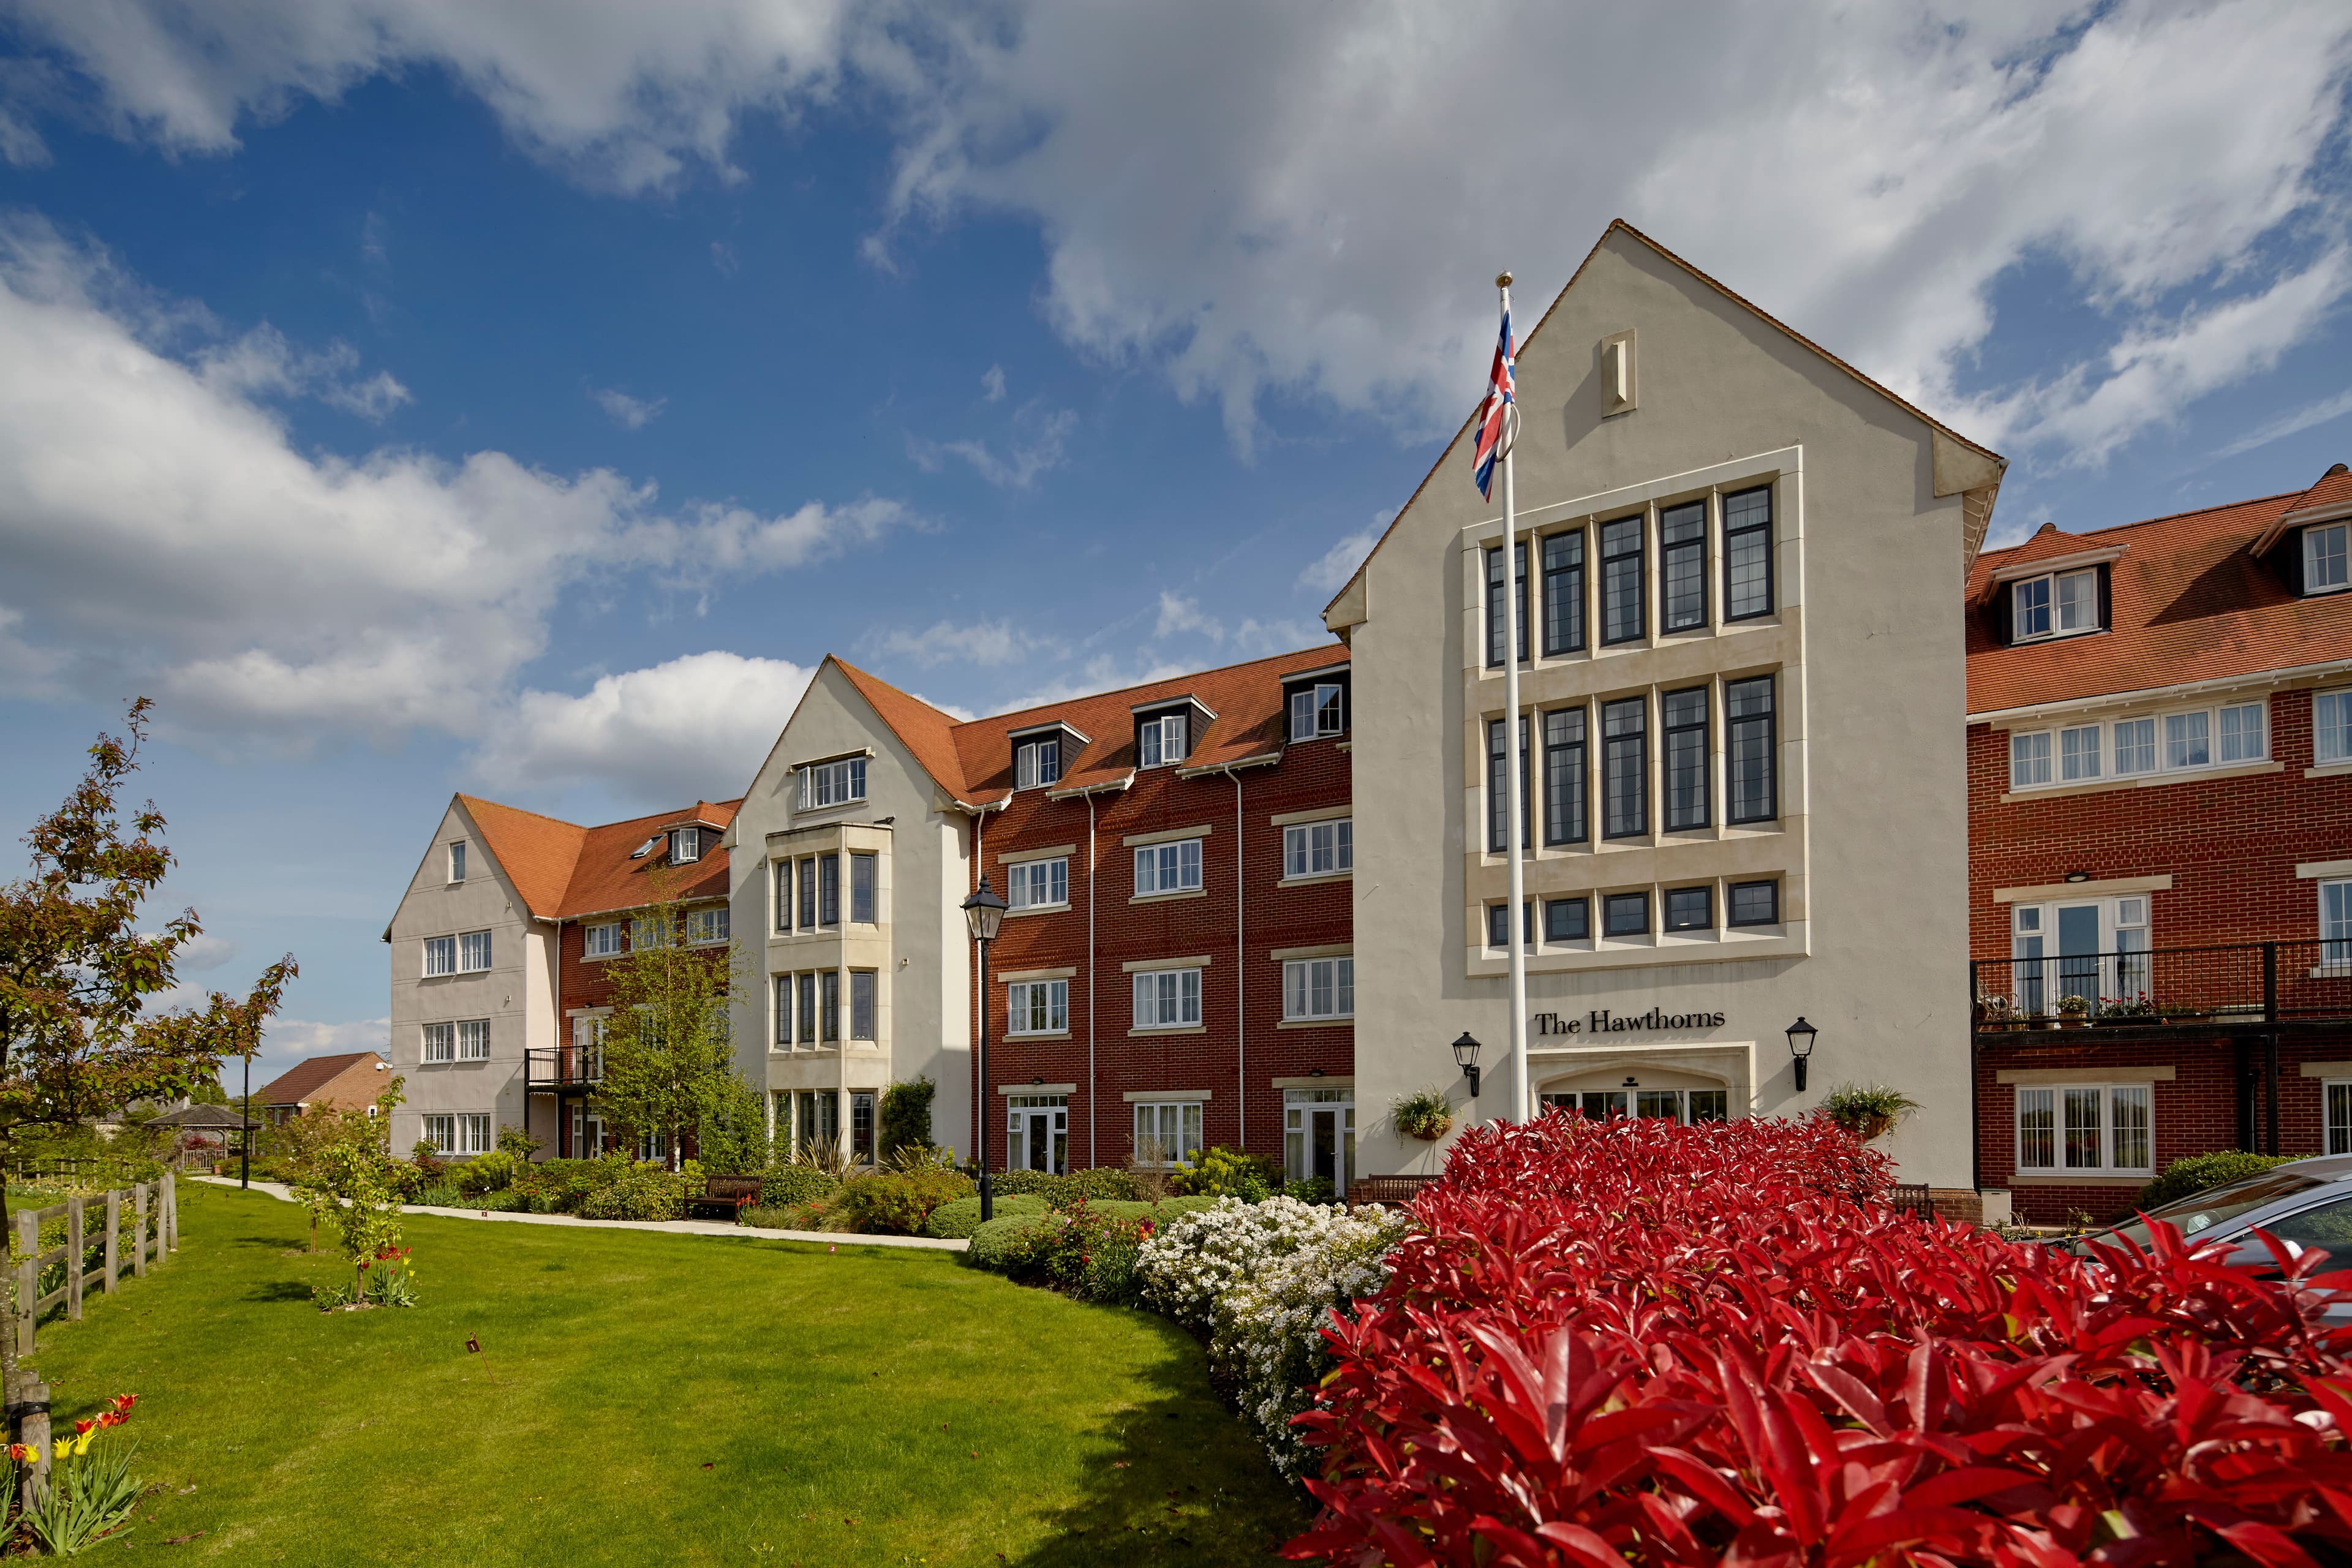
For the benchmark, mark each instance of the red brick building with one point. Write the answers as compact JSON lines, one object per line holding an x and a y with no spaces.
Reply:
{"x":2161,"y":846}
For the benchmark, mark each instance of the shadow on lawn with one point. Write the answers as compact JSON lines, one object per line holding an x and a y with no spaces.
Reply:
{"x":280,"y":1291}
{"x":1188,"y":1483}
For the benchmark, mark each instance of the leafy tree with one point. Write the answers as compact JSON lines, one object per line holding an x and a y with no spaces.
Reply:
{"x":208,"y":1091}
{"x":907,"y":1115}
{"x":669,"y":1059}
{"x":309,"y":1146}
{"x":77,"y":970}
{"x":347,"y":1179}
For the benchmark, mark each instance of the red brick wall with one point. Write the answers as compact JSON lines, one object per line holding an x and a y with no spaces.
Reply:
{"x":1311,"y":774}
{"x":2231,"y":847}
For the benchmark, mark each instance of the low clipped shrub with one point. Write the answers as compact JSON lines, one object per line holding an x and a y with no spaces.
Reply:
{"x":1071,"y":1186}
{"x":441,"y":1196}
{"x":1023,"y":1183}
{"x":489,"y":1173}
{"x":784,"y":1185}
{"x":508,"y":1202}
{"x":1222,"y":1173}
{"x":961,"y":1216}
{"x":638,"y":1192}
{"x":1015,"y":1245}
{"x":2199,"y":1172}
{"x":895,"y":1202}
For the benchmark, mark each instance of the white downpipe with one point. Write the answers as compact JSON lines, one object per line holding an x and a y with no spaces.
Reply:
{"x":1514,"y":841}
{"x":1241,"y":981}
{"x":1090,"y":979}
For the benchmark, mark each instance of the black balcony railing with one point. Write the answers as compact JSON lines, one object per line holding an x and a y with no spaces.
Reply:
{"x":2255,"y":983}
{"x":564,"y":1066}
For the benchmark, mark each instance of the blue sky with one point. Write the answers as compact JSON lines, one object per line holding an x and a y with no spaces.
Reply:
{"x":415,"y":398}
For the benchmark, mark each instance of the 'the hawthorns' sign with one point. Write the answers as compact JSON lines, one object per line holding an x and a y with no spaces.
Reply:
{"x":1601,"y":1021}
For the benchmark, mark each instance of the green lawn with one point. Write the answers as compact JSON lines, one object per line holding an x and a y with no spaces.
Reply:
{"x":644,"y":1399}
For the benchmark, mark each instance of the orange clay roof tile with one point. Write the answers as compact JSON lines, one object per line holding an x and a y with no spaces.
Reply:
{"x":564,"y":871}
{"x":306,"y":1078}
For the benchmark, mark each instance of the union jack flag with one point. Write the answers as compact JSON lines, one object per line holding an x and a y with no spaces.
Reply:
{"x":1491,"y":415}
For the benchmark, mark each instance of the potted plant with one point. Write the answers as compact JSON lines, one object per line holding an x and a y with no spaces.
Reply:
{"x":2183,"y":1013}
{"x":1867,"y":1111}
{"x":1425,"y":1114}
{"x":1996,"y":1013}
{"x":2123,"y":1011}
{"x":2073,"y":1011}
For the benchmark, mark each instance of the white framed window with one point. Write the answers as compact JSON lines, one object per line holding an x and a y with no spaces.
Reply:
{"x":2134,"y":746}
{"x":2059,"y":605}
{"x":2188,"y":741}
{"x":647,"y":931}
{"x":440,"y":955}
{"x":457,"y":861}
{"x":1319,"y":848}
{"x":601,"y":940}
{"x":2335,"y":1108}
{"x":463,"y":1134}
{"x":2029,"y":760}
{"x":2096,"y":1128}
{"x":473,"y":951}
{"x":686,"y":845}
{"x":1168,"y":867}
{"x":1037,"y":763}
{"x":1320,"y":710}
{"x":1167,"y":1133}
{"x":1037,"y":1007}
{"x":1319,"y":988}
{"x":2078,"y":750}
{"x":2093,"y":948}
{"x":2335,"y":925}
{"x":440,"y":1043}
{"x":1038,"y":884}
{"x":2324,"y":559}
{"x":1160,"y":741}
{"x":2331,"y":727}
{"x":708,"y":925}
{"x":441,"y":1132}
{"x":474,"y":1040}
{"x":1166,"y":998}
{"x":833,"y":784}
{"x":2243,"y":733}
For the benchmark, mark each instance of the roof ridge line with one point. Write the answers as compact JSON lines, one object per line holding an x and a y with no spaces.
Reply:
{"x":1139,"y":685}
{"x":2160,"y":517}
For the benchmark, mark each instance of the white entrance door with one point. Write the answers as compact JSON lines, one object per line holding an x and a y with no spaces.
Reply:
{"x":1037,"y":1129}
{"x":1320,"y":1136}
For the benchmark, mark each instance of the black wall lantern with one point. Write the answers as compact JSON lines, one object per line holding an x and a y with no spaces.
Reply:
{"x":1465,"y":1055}
{"x":1801,"y":1045}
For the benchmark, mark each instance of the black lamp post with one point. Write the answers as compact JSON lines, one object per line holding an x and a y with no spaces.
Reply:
{"x":983,"y":912}
{"x":1800,"y":1046}
{"x":1465,"y":1055}
{"x":245,"y":1130}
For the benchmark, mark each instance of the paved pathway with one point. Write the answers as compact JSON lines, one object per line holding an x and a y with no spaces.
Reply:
{"x":674,"y":1227}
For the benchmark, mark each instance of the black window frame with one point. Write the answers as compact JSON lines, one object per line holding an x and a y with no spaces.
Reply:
{"x":1609,"y":905}
{"x":1637,"y":526}
{"x":1638,"y":744}
{"x":1732,"y":537}
{"x":828,"y":1009}
{"x":1563,"y":584}
{"x":1690,"y":551}
{"x":1498,"y":929}
{"x":1771,"y":886}
{"x":783,"y":875}
{"x":1569,"y":760}
{"x":1495,"y":605}
{"x":865,"y":866}
{"x":1737,"y":728}
{"x":807,"y":1012}
{"x":861,"y":1006}
{"x":1498,"y":788}
{"x":1672,"y":737}
{"x":1705,"y":892}
{"x":808,"y":893}
{"x":1583,"y":908}
{"x":828,"y":891}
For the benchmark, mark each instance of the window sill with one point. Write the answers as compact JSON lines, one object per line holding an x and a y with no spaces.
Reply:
{"x":804,"y":813}
{"x":1060,"y":909}
{"x":1169,"y":898}
{"x":1037,"y":1035}
{"x":1310,"y":879}
{"x":1167,"y":1029}
{"x":2329,"y":771}
{"x":2080,"y":1178}
{"x":1347,"y":1023}
{"x":2144,"y":781}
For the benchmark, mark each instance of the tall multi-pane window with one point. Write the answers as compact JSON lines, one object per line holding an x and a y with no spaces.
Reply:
{"x":1494,"y":606}
{"x":1624,"y":768}
{"x":2241,"y":733}
{"x":1563,"y":592}
{"x":808,"y":893}
{"x":2338,"y":1104}
{"x":1166,"y":998}
{"x":1685,"y":716}
{"x":2324,"y":559}
{"x":440,"y":955}
{"x":1167,"y":1133}
{"x":457,"y":861}
{"x":784,"y":895}
{"x":783,"y":989}
{"x":712,"y":923}
{"x":2186,"y":741}
{"x":1498,"y":798}
{"x":829,"y":1013}
{"x":601,"y":940}
{"x":1318,"y":848}
{"x":1038,"y":884}
{"x":1748,"y":553}
{"x":1037,"y":763}
{"x":1564,"y":816}
{"x":1037,"y":1006}
{"x":1168,"y":867}
{"x":440,"y":1043}
{"x":808,"y":1009}
{"x":1621,"y":580}
{"x":2335,"y":924}
{"x":862,"y":868}
{"x":1751,"y":792}
{"x":2079,"y":753}
{"x":2037,"y":1130}
{"x":2331,"y":727}
{"x":861,"y":1003}
{"x":2030,"y":608}
{"x":1160,"y":743}
{"x":1498,"y":924}
{"x":473,"y":951}
{"x":685,"y":846}
{"x":828,"y":891}
{"x":1681,"y":561}
{"x":1320,"y":988}
{"x":474,"y":1041}
{"x":2136,"y":746}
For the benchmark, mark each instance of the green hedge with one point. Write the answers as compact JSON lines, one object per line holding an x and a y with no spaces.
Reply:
{"x":2201,"y":1171}
{"x":780,"y":1187}
{"x":892,"y":1202}
{"x":1100,"y":1182}
{"x":1008,"y":1244}
{"x":1159,"y":1212}
{"x":962,"y":1217}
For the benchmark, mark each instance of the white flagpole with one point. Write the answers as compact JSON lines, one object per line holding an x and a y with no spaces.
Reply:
{"x":1513,"y":834}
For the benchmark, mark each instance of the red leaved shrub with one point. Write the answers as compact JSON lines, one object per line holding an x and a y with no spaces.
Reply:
{"x":1633,"y":1342}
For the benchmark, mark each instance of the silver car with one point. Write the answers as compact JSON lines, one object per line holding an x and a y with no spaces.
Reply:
{"x":2307,"y":1202}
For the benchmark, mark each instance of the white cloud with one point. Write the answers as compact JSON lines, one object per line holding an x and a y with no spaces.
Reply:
{"x":1329,"y":572}
{"x":992,"y":383}
{"x":630,"y":413}
{"x":698,"y":725}
{"x":2290,"y":424}
{"x":724,"y":259}
{"x":1039,"y":438}
{"x":204,"y":952}
{"x":1257,"y":638}
{"x":944,"y":642}
{"x":1179,"y":614}
{"x":162,"y":534}
{"x":1099,"y":674}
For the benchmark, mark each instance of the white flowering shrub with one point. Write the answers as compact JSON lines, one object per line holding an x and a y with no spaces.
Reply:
{"x":1261,"y":1279}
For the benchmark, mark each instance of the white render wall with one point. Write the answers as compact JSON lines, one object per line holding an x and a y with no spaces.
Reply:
{"x":1869,"y":638}
{"x":516,"y":994}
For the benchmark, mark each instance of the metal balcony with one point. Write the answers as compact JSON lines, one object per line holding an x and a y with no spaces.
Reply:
{"x":564,"y":1070}
{"x":2243,"y":988}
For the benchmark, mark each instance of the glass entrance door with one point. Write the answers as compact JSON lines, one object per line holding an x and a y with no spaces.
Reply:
{"x":1320,"y":1136}
{"x":2078,"y":952}
{"x":1037,"y":1129}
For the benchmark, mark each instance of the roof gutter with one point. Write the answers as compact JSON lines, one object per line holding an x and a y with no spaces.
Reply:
{"x":1115,"y":786}
{"x":1262,"y":760}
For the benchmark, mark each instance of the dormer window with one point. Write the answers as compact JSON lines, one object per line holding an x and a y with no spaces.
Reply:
{"x":685,"y":845}
{"x":831,"y":783}
{"x":1037,"y":763}
{"x":1160,"y":741}
{"x":1316,"y":710}
{"x":2061,"y":604}
{"x":2324,"y":557}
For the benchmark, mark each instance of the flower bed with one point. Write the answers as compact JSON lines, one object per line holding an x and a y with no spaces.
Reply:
{"x":1634,"y":1341}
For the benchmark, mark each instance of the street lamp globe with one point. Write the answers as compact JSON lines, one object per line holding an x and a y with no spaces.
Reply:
{"x":984,"y":911}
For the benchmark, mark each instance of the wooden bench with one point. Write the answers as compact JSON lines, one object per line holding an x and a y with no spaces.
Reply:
{"x":724,"y":1198}
{"x":1393,"y":1191}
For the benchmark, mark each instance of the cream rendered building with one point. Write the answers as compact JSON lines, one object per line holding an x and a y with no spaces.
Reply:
{"x":1743,"y":696}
